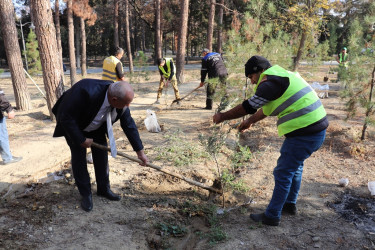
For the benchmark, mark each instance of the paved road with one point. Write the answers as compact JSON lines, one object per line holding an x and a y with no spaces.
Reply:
{"x":92,"y":70}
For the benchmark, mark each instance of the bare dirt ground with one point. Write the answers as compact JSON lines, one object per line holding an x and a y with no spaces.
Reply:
{"x":162,"y":212}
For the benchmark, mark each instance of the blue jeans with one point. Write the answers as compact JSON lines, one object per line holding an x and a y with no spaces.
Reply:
{"x":288,"y":172}
{"x":6,"y":155}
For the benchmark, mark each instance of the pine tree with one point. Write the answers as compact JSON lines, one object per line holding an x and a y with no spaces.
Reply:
{"x":32,"y":53}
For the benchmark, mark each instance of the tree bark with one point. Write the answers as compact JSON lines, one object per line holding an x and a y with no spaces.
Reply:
{"x":220,"y":28}
{"x":158,"y":53}
{"x":370,"y":107}
{"x":83,"y":46}
{"x":127,"y":30}
{"x":211,"y":22}
{"x":58,"y":38}
{"x":13,"y":52}
{"x":116,"y":19}
{"x":72,"y":58}
{"x":300,"y":50}
{"x":77,"y":39}
{"x":181,"y":47}
{"x":46,"y":34}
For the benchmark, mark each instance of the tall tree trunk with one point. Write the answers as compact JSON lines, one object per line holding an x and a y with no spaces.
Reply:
{"x":220,"y":28}
{"x":58,"y":38}
{"x":116,"y":19}
{"x":300,"y":50}
{"x":72,"y":58}
{"x":127,"y":30}
{"x":13,"y":52}
{"x":211,"y":21}
{"x":157,"y":31}
{"x":77,"y":39}
{"x":181,"y":47}
{"x":46,"y":34}
{"x":370,"y":107}
{"x":83,"y":45}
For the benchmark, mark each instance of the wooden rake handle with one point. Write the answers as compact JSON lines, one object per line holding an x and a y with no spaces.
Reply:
{"x":187,"y":94}
{"x":190,"y":181}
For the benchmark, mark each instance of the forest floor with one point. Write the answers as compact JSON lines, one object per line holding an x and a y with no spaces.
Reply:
{"x":39,"y":203}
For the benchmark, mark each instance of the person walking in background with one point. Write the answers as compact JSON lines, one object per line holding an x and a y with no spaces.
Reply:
{"x":213,"y":66}
{"x":84,"y":114}
{"x":6,"y":155}
{"x":301,"y":119}
{"x":343,"y":60}
{"x":167,"y":71}
{"x":112,"y":67}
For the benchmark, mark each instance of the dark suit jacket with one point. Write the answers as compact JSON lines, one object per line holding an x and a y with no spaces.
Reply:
{"x":79,"y":105}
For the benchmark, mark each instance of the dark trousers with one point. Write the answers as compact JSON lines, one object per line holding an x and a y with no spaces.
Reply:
{"x":211,"y":91}
{"x":100,"y":159}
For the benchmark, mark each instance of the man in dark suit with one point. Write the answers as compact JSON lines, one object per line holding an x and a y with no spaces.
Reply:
{"x":81,"y":118}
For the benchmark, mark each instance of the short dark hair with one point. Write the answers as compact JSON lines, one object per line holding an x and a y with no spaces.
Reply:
{"x":256,"y":64}
{"x":205,"y":50}
{"x":160,"y":60}
{"x":118,"y":50}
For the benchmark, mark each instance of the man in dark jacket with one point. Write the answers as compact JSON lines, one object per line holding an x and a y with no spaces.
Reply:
{"x":6,"y":155}
{"x":301,"y":119}
{"x":213,"y":65}
{"x":81,"y":114}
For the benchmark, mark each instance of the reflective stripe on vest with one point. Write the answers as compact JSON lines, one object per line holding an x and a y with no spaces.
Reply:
{"x":298,"y":107}
{"x":168,"y":63}
{"x":109,"y":69}
{"x":344,"y":60}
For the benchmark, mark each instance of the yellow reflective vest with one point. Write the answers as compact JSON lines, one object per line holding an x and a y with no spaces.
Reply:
{"x":109,"y":69}
{"x":298,"y":107}
{"x":168,"y":63}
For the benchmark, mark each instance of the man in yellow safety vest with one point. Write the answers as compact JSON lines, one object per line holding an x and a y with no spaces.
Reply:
{"x":112,"y":67}
{"x":167,"y":72}
{"x":301,"y":119}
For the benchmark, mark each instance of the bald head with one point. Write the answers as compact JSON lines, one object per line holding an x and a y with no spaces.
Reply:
{"x":120,"y":94}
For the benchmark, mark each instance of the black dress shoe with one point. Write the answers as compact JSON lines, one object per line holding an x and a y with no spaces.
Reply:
{"x":109,"y":195}
{"x":86,"y":203}
{"x":264,"y":219}
{"x":290,"y":208}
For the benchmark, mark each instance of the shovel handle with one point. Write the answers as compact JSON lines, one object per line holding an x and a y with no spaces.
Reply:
{"x":190,"y":181}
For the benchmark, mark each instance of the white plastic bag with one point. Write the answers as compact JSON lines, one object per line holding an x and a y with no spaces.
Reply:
{"x":371,"y":187}
{"x":151,"y":122}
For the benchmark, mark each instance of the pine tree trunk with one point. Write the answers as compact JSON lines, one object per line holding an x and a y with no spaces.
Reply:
{"x":83,"y":45}
{"x":72,"y":58}
{"x":116,"y":18}
{"x":300,"y":50}
{"x":220,"y":28}
{"x":157,"y":31}
{"x":13,"y":52}
{"x":127,"y":30}
{"x":77,"y":39}
{"x":49,"y":57}
{"x":211,"y":21}
{"x":181,"y":47}
{"x":370,"y":107}
{"x":58,"y":38}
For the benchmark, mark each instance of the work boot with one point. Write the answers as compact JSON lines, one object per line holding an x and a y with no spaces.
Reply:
{"x":290,"y":208}
{"x":208,"y":104}
{"x":13,"y":160}
{"x":177,"y":101}
{"x":264,"y":219}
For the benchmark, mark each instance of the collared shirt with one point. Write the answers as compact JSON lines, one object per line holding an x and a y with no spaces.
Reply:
{"x":100,"y":118}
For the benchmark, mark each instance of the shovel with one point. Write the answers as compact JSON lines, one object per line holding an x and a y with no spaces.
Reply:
{"x":177,"y":100}
{"x":190,"y":181}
